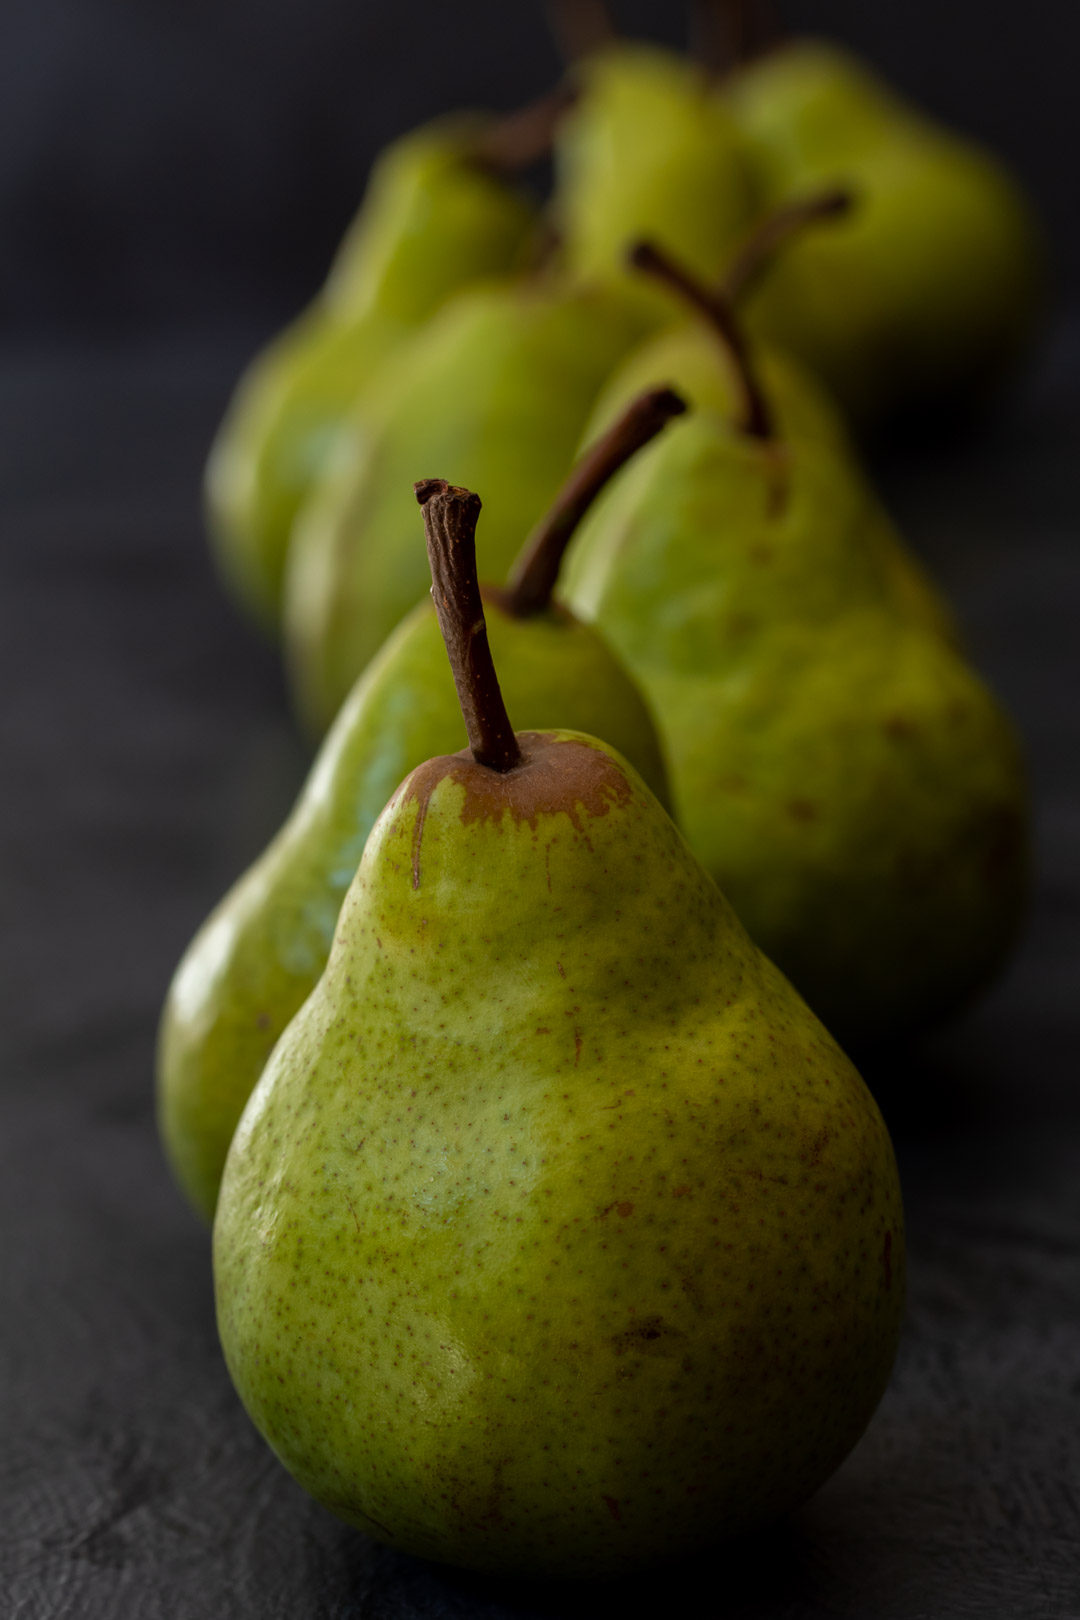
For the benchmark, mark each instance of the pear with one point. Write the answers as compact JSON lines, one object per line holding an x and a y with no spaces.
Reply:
{"x":647,"y":150}
{"x":439,"y":213}
{"x":927,"y":292}
{"x":496,"y":389}
{"x":558,"y":1236}
{"x":703,"y":350}
{"x":761,"y":390}
{"x":258,"y":956}
{"x":835,"y":764}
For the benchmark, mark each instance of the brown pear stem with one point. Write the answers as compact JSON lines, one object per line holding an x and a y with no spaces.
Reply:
{"x":720,"y":34}
{"x":757,"y":252}
{"x":450,"y":516}
{"x":756,"y":417}
{"x":532,"y":579}
{"x":580,"y":27}
{"x":524,"y":136}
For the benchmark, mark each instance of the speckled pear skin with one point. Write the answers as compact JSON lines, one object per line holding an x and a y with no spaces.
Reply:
{"x":835,"y":764}
{"x":928,"y":290}
{"x":558,"y":1235}
{"x":494,"y":393}
{"x":259,"y":955}
{"x":647,"y":151}
{"x":432,"y":220}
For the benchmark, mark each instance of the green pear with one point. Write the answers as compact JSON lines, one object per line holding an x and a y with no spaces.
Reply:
{"x":496,"y":390}
{"x":436,"y":216}
{"x":647,"y":151}
{"x":558,"y":1236}
{"x":260,"y":953}
{"x":927,"y":291}
{"x":835,"y":764}
{"x":758,"y":388}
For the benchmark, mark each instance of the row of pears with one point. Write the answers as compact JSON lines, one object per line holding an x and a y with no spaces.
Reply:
{"x":553,"y":1230}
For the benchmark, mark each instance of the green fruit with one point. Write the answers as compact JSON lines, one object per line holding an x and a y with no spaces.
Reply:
{"x":256,"y":959}
{"x":434,"y":218}
{"x":835,"y":765}
{"x":926,"y":292}
{"x":647,"y":151}
{"x":494,"y":392}
{"x":558,"y":1236}
{"x":761,"y":389}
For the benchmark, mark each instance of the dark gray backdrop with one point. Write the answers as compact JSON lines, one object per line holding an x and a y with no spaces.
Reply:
{"x":168,"y":161}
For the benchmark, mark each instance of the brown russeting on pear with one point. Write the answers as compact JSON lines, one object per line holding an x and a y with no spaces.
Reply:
{"x":450,"y":515}
{"x":533,"y":576}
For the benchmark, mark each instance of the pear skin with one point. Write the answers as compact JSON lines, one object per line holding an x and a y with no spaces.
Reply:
{"x":558,"y":1236}
{"x":835,"y":764}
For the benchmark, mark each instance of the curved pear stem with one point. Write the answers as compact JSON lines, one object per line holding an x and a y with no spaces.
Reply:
{"x":450,"y":516}
{"x":523,"y":137}
{"x":756,"y":417}
{"x":532,"y":579}
{"x":580,"y":27}
{"x":757,"y":252}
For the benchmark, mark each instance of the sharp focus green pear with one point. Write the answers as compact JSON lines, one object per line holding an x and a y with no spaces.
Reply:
{"x":558,"y":1235}
{"x":261,"y":952}
{"x":434,"y":218}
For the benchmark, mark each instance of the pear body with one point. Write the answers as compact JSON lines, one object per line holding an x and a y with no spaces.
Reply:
{"x":260,"y":953}
{"x":647,"y":152}
{"x":926,"y":292}
{"x":433,"y":219}
{"x":558,"y":1236}
{"x":493,"y":394}
{"x":836,"y":766}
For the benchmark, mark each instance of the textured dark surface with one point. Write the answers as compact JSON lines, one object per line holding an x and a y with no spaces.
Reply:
{"x":147,"y":756}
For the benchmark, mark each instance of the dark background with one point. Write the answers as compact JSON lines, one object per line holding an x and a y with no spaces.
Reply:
{"x":173,"y":177}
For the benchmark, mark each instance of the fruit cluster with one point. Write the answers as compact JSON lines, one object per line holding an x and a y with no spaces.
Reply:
{"x":553,"y":1230}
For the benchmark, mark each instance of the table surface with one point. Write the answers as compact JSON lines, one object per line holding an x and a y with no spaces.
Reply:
{"x":149,"y":756}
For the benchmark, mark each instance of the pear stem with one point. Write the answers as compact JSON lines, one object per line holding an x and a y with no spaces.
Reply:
{"x":524,"y":136}
{"x":532,"y":579}
{"x":720,"y":33}
{"x":580,"y":27}
{"x":450,"y":516}
{"x":756,"y":417}
{"x":757,"y":252}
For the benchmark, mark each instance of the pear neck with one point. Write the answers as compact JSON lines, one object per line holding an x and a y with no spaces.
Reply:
{"x":755,"y":416}
{"x":450,"y":516}
{"x":534,"y":576}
